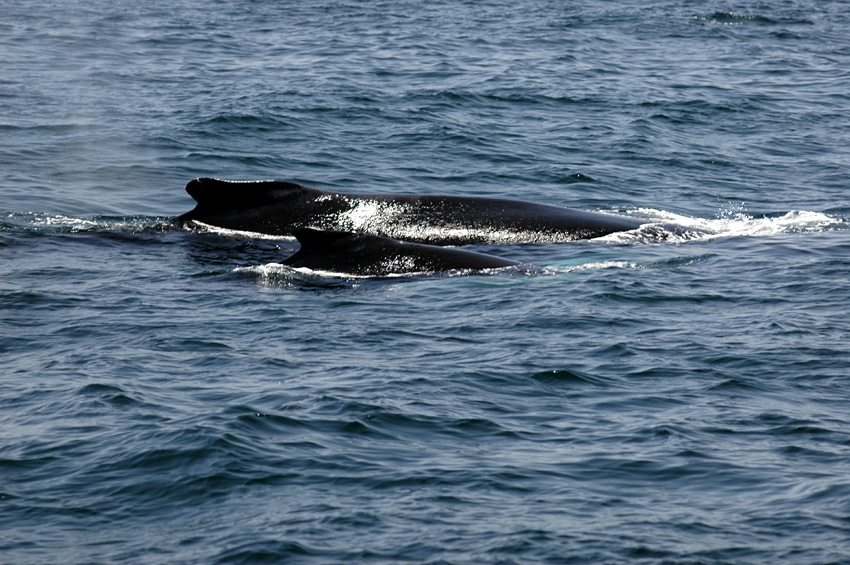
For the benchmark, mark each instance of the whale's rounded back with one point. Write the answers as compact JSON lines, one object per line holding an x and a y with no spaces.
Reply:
{"x":364,"y":254}
{"x":278,"y":208}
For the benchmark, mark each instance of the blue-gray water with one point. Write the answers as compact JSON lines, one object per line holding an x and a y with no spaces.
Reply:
{"x":175,"y":396}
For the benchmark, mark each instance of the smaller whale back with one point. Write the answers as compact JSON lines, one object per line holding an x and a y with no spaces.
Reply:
{"x":364,"y":254}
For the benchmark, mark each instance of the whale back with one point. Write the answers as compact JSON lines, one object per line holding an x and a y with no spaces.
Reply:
{"x":278,"y":208}
{"x":371,"y":255}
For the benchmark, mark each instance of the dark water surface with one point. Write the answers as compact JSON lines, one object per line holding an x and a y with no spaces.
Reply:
{"x":181,"y":397}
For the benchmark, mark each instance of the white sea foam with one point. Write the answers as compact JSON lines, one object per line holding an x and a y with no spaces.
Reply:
{"x":591,"y":266}
{"x":72,"y":224}
{"x":275,"y":272}
{"x":68,"y":222}
{"x":65,"y":221}
{"x":596,"y":265}
{"x":667,"y":227}
{"x":207,"y":228}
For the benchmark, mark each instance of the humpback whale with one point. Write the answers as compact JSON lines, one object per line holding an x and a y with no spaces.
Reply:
{"x":279,"y":208}
{"x":364,"y":254}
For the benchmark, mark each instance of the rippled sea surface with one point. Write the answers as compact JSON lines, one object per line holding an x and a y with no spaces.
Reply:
{"x":179,"y":396}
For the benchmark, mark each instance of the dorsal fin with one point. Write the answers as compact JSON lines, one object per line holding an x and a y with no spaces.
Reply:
{"x":314,"y":237}
{"x":217,"y":192}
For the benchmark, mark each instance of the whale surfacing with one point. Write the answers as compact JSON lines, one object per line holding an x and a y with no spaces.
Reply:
{"x":369,"y":255}
{"x":279,"y":208}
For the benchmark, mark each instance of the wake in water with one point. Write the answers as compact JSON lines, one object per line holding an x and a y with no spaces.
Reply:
{"x":278,"y":274}
{"x":58,"y":223}
{"x":667,"y":227}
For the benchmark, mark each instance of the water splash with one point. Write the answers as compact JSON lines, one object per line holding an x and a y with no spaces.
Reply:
{"x":735,"y":19}
{"x":60,"y":223}
{"x":592,"y":266}
{"x":201,"y":227}
{"x":665,"y":227}
{"x":276,"y":274}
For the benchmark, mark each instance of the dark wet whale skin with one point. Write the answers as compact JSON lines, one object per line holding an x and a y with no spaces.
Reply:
{"x":279,"y":208}
{"x":370,"y":255}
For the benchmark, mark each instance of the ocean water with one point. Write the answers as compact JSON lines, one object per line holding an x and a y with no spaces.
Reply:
{"x":175,"y":396}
